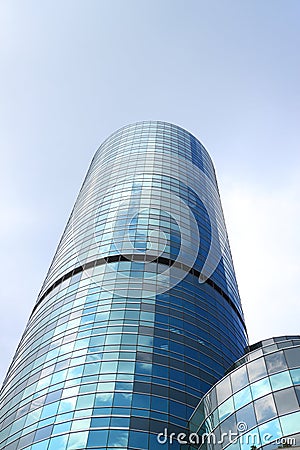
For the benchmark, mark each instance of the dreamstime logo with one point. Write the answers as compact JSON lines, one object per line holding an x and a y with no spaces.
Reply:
{"x":251,"y":438}
{"x":242,"y":427}
{"x":125,"y":199}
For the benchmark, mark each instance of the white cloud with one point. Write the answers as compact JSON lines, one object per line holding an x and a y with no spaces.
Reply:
{"x":263,"y":229}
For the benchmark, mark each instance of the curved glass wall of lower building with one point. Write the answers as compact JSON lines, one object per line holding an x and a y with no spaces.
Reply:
{"x":257,"y":405}
{"x":139,"y":314}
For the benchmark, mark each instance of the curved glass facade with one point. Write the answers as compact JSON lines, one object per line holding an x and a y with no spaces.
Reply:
{"x":139,"y":314}
{"x":257,"y":404}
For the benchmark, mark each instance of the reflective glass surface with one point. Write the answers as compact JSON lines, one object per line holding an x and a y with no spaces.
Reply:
{"x":139,"y":314}
{"x":266,"y":410}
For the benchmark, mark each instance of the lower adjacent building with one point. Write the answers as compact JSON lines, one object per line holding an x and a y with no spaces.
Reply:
{"x":256,"y":405}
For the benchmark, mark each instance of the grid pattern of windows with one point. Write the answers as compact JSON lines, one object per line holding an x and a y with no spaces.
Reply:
{"x":115,"y":352}
{"x":262,"y":394}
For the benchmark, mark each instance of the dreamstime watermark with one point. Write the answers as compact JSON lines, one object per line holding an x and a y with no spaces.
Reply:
{"x":120,"y":208}
{"x":251,"y":438}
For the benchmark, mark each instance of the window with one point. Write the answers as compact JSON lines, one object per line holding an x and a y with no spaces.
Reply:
{"x":281,"y":380}
{"x":257,"y":369}
{"x":275,"y":362}
{"x":286,"y":401}
{"x":265,"y":408}
{"x":239,"y":378}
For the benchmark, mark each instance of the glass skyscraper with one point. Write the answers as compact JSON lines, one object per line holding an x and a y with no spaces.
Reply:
{"x":139,"y":314}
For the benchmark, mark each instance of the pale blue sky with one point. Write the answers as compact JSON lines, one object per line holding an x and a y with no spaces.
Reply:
{"x":72,"y":72}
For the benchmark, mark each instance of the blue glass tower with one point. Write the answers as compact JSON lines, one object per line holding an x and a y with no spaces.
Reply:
{"x":139,"y":314}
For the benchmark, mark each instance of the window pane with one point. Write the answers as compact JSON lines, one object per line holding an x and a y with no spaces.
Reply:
{"x":290,"y":423}
{"x":97,"y":438}
{"x":286,"y":401}
{"x":281,"y":380}
{"x":275,"y":362}
{"x":223,"y":390}
{"x":250,"y":439}
{"x":293,"y":357}
{"x":270,"y":428}
{"x":295,"y":374}
{"x":242,"y":397}
{"x":226,"y":409}
{"x":247,"y":416}
{"x":260,"y":388}
{"x":265,"y":408}
{"x":257,"y":369}
{"x":239,"y":379}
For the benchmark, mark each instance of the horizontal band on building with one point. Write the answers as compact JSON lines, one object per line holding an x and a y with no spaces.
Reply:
{"x":141,"y":258}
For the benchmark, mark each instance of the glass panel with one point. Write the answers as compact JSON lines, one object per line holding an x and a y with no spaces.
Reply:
{"x":286,"y":401}
{"x":242,"y":397}
{"x":234,"y":446}
{"x":43,"y":433}
{"x":265,"y":408}
{"x":223,"y":390}
{"x":239,"y":378}
{"x":290,"y":423}
{"x":281,"y":380}
{"x":255,"y":354}
{"x":228,"y":426}
{"x":270,"y":431}
{"x":197,"y":417}
{"x":247,"y":416}
{"x":211,"y":399}
{"x":250,"y":439}
{"x":297,"y":389}
{"x":275,"y":362}
{"x":78,"y":440}
{"x":138,"y":439}
{"x":295,"y":374}
{"x":226,"y":409}
{"x":293,"y":357}
{"x":104,"y":399}
{"x":118,"y":438}
{"x":97,"y":437}
{"x":215,"y":417}
{"x":58,"y":443}
{"x":260,"y":388}
{"x":256,"y":369}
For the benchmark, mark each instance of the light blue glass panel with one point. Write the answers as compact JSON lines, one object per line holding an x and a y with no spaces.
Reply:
{"x":234,"y":446}
{"x":43,"y":446}
{"x":270,"y":431}
{"x":281,"y":380}
{"x":295,"y":374}
{"x":242,"y":397}
{"x":85,"y":401}
{"x":260,"y":388}
{"x":226,"y":409}
{"x":62,"y":427}
{"x":49,"y":410}
{"x":290,"y":423}
{"x":78,"y":440}
{"x":250,"y":439}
